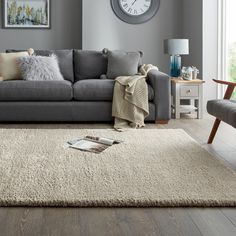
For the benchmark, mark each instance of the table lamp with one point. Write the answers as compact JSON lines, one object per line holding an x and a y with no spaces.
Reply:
{"x":175,"y":48}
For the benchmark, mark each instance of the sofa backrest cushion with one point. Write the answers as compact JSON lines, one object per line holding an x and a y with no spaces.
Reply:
{"x":89,"y":64}
{"x":65,"y":59}
{"x":122,"y":63}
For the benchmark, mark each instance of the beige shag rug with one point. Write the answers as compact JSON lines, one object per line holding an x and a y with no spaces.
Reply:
{"x":151,"y":168}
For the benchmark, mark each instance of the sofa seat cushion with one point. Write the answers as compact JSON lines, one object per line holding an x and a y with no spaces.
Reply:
{"x":224,"y":110}
{"x":99,"y":90}
{"x":36,"y":91}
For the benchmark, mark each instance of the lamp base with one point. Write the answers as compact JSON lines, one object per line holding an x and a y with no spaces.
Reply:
{"x":175,"y":66}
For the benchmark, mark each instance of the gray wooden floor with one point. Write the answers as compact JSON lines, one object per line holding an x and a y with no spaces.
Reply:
{"x":132,"y":221}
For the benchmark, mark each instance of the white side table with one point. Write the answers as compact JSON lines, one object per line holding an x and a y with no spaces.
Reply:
{"x":190,"y":90}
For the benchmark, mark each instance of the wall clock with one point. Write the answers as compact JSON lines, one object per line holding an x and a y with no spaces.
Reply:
{"x":135,"y":11}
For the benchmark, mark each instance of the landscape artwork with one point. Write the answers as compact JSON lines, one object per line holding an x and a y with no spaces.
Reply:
{"x":26,"y":14}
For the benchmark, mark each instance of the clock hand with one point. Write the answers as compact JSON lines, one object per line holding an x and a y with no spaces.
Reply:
{"x":134,"y":2}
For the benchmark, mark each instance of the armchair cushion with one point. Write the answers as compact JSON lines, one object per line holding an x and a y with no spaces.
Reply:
{"x":224,"y":110}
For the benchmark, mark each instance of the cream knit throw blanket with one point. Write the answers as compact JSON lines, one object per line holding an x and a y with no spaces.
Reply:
{"x":130,"y":100}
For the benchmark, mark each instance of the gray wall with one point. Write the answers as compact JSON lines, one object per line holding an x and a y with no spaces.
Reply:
{"x":192,"y":29}
{"x":65,"y":32}
{"x":200,"y":25}
{"x":101,"y":28}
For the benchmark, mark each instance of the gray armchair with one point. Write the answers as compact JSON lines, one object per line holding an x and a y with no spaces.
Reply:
{"x":223,"y":109}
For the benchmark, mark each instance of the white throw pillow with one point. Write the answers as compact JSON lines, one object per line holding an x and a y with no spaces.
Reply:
{"x":40,"y":68}
{"x":9,"y":69}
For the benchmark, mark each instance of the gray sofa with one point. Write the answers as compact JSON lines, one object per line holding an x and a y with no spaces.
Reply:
{"x":83,"y":96}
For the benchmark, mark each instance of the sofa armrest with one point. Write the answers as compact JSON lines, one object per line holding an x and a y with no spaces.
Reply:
{"x":161,"y":85}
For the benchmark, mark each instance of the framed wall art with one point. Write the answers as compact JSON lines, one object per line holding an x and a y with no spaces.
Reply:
{"x":27,"y":14}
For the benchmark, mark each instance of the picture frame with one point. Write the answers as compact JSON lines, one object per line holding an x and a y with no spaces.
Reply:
{"x":26,"y":14}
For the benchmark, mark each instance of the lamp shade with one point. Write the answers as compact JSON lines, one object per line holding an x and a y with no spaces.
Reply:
{"x":176,"y":46}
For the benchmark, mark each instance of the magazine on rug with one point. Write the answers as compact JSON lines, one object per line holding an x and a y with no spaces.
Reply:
{"x":92,"y":144}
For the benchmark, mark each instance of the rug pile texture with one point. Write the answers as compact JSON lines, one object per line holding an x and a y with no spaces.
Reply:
{"x":153,"y":167}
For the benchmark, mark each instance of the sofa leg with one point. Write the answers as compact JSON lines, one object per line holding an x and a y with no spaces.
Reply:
{"x":213,"y":131}
{"x":162,"y":122}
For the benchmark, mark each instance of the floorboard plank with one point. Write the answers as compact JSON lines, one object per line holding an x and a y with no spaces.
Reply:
{"x":21,"y":221}
{"x":60,"y":221}
{"x":136,"y":222}
{"x":98,"y":221}
{"x":3,"y":219}
{"x":175,"y":221}
{"x":212,"y":222}
{"x":230,"y":214}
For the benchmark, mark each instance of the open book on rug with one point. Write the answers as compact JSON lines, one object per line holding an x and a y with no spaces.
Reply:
{"x":92,"y":144}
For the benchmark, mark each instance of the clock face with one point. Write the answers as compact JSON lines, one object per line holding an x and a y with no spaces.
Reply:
{"x":135,"y":7}
{"x":135,"y":11}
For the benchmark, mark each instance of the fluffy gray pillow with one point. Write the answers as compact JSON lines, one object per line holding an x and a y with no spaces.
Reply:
{"x":40,"y":68}
{"x":122,"y":63}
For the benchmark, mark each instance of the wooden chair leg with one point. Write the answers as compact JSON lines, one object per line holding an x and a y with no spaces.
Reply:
{"x":213,"y":131}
